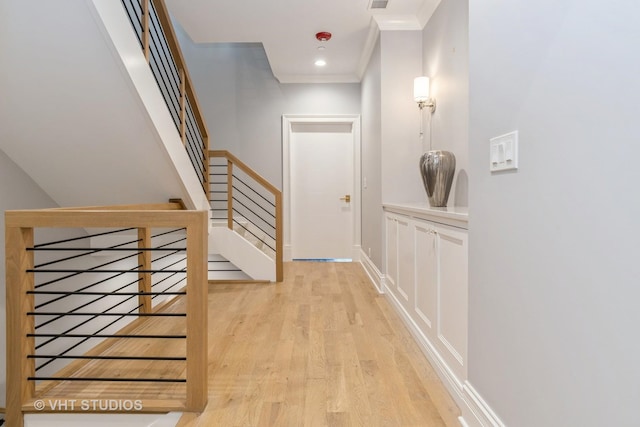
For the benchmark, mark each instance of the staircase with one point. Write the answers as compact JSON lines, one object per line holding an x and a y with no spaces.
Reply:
{"x":112,"y":138}
{"x":222,"y":270}
{"x":246,"y":213}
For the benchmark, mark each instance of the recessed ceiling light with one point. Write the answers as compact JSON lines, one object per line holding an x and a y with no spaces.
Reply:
{"x":320,"y":62}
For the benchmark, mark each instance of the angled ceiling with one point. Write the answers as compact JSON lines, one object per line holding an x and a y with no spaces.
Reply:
{"x":287,"y":29}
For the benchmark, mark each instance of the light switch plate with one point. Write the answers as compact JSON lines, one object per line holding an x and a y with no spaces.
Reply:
{"x":503,"y":154}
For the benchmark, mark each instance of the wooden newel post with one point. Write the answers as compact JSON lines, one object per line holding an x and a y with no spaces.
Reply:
{"x":19,"y":325}
{"x":197,"y":315}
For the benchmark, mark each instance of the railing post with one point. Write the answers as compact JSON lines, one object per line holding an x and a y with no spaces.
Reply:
{"x":279,"y":239}
{"x":183,"y":107}
{"x":18,"y":304}
{"x":145,"y":29}
{"x":144,"y":278}
{"x":207,"y":167}
{"x":230,"y":194}
{"x":197,"y":313}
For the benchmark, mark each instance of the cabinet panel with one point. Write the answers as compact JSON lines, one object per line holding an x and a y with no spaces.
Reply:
{"x":426,"y":278}
{"x":406,"y":256}
{"x":428,"y":284}
{"x":392,"y":251}
{"x":453,"y":297}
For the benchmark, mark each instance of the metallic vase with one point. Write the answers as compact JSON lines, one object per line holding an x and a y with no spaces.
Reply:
{"x":437,"y":168}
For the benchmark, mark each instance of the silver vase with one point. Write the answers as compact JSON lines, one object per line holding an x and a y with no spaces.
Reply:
{"x":437,"y":168}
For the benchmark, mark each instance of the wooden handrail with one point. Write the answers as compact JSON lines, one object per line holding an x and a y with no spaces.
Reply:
{"x":233,"y":161}
{"x":171,"y":206}
{"x":246,"y":169}
{"x":20,"y":226}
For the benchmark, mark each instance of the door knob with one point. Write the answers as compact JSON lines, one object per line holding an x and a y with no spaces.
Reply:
{"x":346,"y":198}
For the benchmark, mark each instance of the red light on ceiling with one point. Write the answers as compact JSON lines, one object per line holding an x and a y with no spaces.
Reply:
{"x":323,"y":36}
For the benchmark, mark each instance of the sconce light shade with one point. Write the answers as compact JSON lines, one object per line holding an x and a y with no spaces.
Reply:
{"x":421,"y":89}
{"x":421,"y":93}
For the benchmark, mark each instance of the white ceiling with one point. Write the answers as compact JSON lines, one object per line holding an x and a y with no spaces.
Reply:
{"x":287,"y":29}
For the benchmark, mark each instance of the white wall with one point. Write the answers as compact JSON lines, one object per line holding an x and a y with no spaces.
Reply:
{"x":17,"y":191}
{"x":372,"y":160}
{"x":445,"y":57}
{"x":80,"y":111}
{"x":554,"y":269}
{"x":243,"y":103}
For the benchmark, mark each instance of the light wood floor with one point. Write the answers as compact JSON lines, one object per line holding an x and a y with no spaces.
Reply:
{"x":321,"y":348}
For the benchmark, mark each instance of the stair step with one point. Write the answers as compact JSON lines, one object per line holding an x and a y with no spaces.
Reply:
{"x":249,"y":232}
{"x":221,"y":269}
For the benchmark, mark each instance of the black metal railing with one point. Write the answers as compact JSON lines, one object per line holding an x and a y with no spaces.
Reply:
{"x":151,"y":24}
{"x":84,"y":294}
{"x":196,"y":145}
{"x":218,"y":187}
{"x":252,"y":209}
{"x":107,"y":284}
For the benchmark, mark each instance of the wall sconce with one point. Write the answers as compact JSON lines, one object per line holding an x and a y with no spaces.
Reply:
{"x":421,"y":93}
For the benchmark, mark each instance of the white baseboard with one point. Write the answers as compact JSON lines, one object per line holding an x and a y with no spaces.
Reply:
{"x":478,"y":410}
{"x":475,"y":411}
{"x":376,"y":277}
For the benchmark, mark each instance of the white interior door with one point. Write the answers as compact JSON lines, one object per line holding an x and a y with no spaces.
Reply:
{"x":322,"y":196}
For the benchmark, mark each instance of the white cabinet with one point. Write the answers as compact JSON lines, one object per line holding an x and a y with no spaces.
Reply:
{"x":426,"y":278}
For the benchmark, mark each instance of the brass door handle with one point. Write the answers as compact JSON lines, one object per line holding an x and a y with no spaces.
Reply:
{"x":346,"y":198}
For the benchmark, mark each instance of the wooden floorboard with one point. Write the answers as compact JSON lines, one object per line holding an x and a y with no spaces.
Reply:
{"x":321,"y":348}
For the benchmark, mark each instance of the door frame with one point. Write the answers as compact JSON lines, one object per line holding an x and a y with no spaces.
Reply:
{"x":287,"y":121}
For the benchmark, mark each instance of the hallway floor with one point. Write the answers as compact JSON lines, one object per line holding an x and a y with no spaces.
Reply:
{"x":321,"y":348}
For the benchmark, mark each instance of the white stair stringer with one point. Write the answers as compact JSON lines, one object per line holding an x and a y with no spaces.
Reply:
{"x":243,"y":254}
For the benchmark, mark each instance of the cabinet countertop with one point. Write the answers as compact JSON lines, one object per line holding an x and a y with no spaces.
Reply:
{"x":456,"y":216}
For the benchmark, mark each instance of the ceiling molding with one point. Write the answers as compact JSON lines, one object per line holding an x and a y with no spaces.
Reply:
{"x":367,"y":50}
{"x":398,"y":22}
{"x":426,"y":11}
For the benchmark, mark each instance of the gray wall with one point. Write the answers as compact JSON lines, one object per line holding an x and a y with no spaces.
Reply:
{"x":371,"y":160}
{"x":445,"y":56}
{"x":17,"y":191}
{"x":243,"y":103}
{"x":554,"y":272}
{"x":401,"y":53}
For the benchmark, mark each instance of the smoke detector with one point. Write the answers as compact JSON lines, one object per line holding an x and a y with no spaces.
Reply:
{"x":323,"y":36}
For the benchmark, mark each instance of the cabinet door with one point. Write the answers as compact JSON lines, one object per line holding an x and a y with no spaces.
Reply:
{"x":453,"y":297}
{"x":426,"y":301}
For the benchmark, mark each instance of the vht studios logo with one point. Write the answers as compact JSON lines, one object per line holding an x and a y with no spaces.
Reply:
{"x":115,"y":405}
